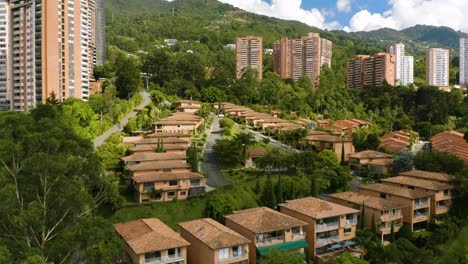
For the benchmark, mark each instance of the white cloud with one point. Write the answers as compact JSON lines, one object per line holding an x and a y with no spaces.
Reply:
{"x":407,"y":13}
{"x":285,"y":9}
{"x":343,"y":5}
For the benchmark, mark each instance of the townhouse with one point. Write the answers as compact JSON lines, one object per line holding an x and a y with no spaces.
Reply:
{"x":441,"y":193}
{"x":452,"y":142}
{"x":342,"y":127}
{"x":268,"y":229}
{"x":322,"y":140}
{"x":213,"y":243}
{"x":166,"y":140}
{"x":173,"y":166}
{"x":384,"y":212}
{"x":187,"y":106}
{"x":427,"y":175}
{"x":167,"y":148}
{"x":329,"y":226}
{"x":147,"y":157}
{"x":151,"y":241}
{"x":398,"y":141}
{"x":417,"y":209}
{"x":179,"y":122}
{"x":372,"y":161}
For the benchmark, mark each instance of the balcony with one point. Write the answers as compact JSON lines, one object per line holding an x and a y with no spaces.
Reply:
{"x":350,"y":222}
{"x":390,"y":217}
{"x":327,"y":226}
{"x":270,"y":241}
{"x":442,"y":209}
{"x":387,"y":228}
{"x":232,"y":258}
{"x":421,"y":205}
{"x":297,"y":236}
{"x":327,"y":240}
{"x":420,"y":216}
{"x":167,"y":259}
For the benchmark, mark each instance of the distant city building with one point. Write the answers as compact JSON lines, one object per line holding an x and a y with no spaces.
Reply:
{"x":404,"y":69}
{"x":295,"y":58}
{"x":249,"y":54}
{"x":46,"y":47}
{"x":437,"y":67}
{"x":170,"y":42}
{"x":268,"y":51}
{"x":464,"y":60}
{"x":231,"y":46}
{"x":100,"y":32}
{"x":374,"y":70}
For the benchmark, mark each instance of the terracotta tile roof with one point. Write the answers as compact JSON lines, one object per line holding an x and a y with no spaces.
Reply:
{"x":189,"y":107}
{"x":165,"y":176}
{"x":213,"y":234}
{"x":393,"y":190}
{"x":256,"y":152}
{"x":380,"y":162}
{"x":425,"y":184}
{"x":168,"y":140}
{"x":370,"y":154}
{"x":397,"y":141}
{"x":152,"y":148}
{"x":148,"y":156}
{"x":263,"y":219}
{"x":184,"y":101}
{"x":167,"y":134}
{"x":148,"y":235}
{"x":451,"y":142}
{"x":435,"y":176}
{"x":175,"y":122}
{"x":326,"y":138}
{"x":159,"y":165}
{"x":317,"y":208}
{"x":368,"y":201}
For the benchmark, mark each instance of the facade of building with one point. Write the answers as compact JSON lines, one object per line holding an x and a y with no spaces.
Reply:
{"x":437,"y":67}
{"x":249,"y":53}
{"x":213,"y":243}
{"x":372,"y":162}
{"x":295,"y":58}
{"x":268,"y":229}
{"x":404,"y":68}
{"x":151,"y":241}
{"x":327,"y":223}
{"x":321,"y":140}
{"x":50,"y":50}
{"x":100,"y":32}
{"x":365,"y":70}
{"x":383,"y":212}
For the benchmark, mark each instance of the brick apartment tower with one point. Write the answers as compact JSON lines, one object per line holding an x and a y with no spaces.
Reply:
{"x":4,"y":56}
{"x":404,"y":65}
{"x":374,"y":70}
{"x":249,"y":51}
{"x":437,"y":67}
{"x":50,"y":50}
{"x":464,"y":60}
{"x":295,"y":58}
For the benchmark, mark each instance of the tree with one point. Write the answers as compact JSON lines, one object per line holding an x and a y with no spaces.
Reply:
{"x":438,"y":162}
{"x":373,"y":225}
{"x":392,"y":232}
{"x":211,"y":94}
{"x":274,"y":256}
{"x":313,"y":186}
{"x":363,"y":216}
{"x":403,"y":161}
{"x":128,"y":76}
{"x":269,"y":196}
{"x":279,"y":191}
{"x":347,"y":258}
{"x":220,"y":205}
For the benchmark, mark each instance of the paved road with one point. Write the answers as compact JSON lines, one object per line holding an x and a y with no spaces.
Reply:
{"x":210,"y":165}
{"x":118,"y":127}
{"x":274,"y":143}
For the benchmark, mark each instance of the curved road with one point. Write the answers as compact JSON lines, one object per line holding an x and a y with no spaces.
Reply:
{"x":119,"y":126}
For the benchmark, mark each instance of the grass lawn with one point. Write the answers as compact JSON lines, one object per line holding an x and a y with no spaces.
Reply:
{"x":170,"y":213}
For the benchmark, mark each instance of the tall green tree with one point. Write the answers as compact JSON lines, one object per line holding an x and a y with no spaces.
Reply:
{"x":279,"y":191}
{"x":128,"y":79}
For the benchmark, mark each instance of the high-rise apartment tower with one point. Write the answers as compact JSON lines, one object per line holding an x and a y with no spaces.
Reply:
{"x":404,"y":68}
{"x":249,"y":51}
{"x":464,"y":60}
{"x":437,"y":67}
{"x":374,"y":70}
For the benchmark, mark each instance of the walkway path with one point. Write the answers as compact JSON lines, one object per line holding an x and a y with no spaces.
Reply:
{"x":274,"y":143}
{"x":118,"y":127}
{"x":210,"y":164}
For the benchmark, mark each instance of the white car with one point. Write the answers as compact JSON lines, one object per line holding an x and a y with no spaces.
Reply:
{"x":221,"y":115}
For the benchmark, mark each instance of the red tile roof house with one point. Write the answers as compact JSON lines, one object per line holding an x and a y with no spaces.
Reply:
{"x":151,"y":241}
{"x":451,"y":142}
{"x":187,"y":106}
{"x":321,"y":141}
{"x":373,"y":162}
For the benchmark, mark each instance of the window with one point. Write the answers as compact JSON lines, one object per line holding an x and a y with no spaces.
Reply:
{"x":183,"y":193}
{"x":347,"y":231}
{"x":223,"y":253}
{"x":195,"y":182}
{"x":173,"y":251}
{"x":170,"y":194}
{"x":383,"y":195}
{"x":173,"y":183}
{"x":152,"y":255}
{"x":350,"y":217}
{"x":148,"y":185}
{"x":394,"y":212}
{"x":446,"y":192}
{"x":237,"y":251}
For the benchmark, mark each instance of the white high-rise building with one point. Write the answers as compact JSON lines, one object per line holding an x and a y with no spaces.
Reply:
{"x":464,"y":60}
{"x":404,"y":68}
{"x":4,"y":56}
{"x":437,"y":67}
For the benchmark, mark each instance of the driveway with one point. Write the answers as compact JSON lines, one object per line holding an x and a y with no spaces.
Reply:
{"x":274,"y":143}
{"x":119,"y":126}
{"x":210,"y":164}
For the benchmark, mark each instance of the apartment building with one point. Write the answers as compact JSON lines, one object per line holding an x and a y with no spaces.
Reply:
{"x":294,"y":58}
{"x":321,"y":140}
{"x":373,"y":161}
{"x":188,"y":106}
{"x":51,"y":51}
{"x":151,"y":241}
{"x":179,"y":122}
{"x":397,"y":141}
{"x":365,"y":70}
{"x":441,"y":193}
{"x":404,"y":65}
{"x":427,"y":175}
{"x":159,"y":166}
{"x":167,"y":148}
{"x":166,"y":186}
{"x":249,"y":54}
{"x":268,"y":229}
{"x":329,"y":226}
{"x":4,"y":55}
{"x":384,"y":212}
{"x":437,"y":67}
{"x":452,"y":142}
{"x":416,"y":211}
{"x":147,"y":157}
{"x":100,"y":32}
{"x":165,"y":141}
{"x":342,"y":127}
{"x":213,"y":243}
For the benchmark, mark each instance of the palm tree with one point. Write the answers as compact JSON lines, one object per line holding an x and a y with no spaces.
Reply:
{"x":244,"y":140}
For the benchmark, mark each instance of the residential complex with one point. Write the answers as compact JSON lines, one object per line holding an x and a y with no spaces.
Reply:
{"x":377,"y":211}
{"x":397,"y":141}
{"x":319,"y":140}
{"x":268,"y":229}
{"x":464,"y":60}
{"x":295,"y":58}
{"x":100,"y":32}
{"x":365,"y":70}
{"x":213,"y":243}
{"x":151,"y":241}
{"x":373,"y":162}
{"x":249,"y":54}
{"x":437,"y":67}
{"x":48,"y":47}
{"x":404,"y":65}
{"x":451,"y":142}
{"x":329,"y":225}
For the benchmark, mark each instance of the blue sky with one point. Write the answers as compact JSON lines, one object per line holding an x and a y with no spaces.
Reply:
{"x":363,"y":15}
